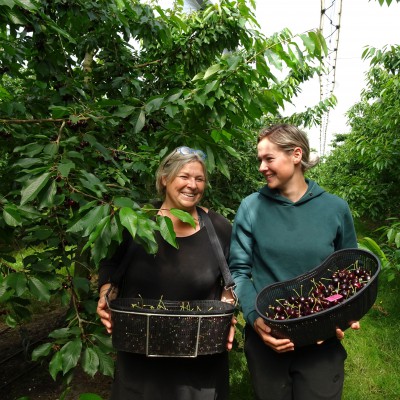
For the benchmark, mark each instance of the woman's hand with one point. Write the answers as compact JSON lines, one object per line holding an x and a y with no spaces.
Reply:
{"x":278,"y":345}
{"x":102,"y":309}
{"x":229,"y":297}
{"x":353,"y":325}
{"x":340,"y":334}
{"x":231,"y":336}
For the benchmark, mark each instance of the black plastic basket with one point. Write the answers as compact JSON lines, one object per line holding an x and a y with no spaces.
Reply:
{"x":312,"y":328}
{"x":170,"y":328}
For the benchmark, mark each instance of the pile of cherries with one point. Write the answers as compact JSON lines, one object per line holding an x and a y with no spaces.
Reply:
{"x":323,"y":295}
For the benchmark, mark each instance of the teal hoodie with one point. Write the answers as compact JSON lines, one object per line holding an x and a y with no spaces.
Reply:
{"x":275,"y":239}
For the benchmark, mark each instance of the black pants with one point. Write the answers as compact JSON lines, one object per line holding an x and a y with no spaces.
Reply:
{"x":313,"y":372}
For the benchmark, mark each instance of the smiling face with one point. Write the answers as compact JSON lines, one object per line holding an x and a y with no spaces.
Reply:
{"x":280,"y":168}
{"x":186,"y":189}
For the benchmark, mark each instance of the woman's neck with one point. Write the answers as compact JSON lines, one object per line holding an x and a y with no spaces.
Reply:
{"x":295,"y":192}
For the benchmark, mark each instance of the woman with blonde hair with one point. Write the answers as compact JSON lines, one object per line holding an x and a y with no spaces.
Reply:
{"x":285,"y":229}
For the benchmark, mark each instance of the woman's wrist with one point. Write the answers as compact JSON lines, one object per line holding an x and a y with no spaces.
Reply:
{"x":104,"y":289}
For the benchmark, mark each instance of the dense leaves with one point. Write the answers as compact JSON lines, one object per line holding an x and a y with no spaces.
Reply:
{"x":363,"y":167}
{"x":92,"y":96}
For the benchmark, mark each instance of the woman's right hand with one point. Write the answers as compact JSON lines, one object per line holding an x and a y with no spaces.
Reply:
{"x":102,"y":308}
{"x":278,"y":345}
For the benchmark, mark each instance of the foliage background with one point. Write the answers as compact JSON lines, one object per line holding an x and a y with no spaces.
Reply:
{"x":93,"y":94}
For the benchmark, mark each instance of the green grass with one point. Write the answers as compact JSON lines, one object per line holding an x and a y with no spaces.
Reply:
{"x":372,"y":368}
{"x":373,"y":363}
{"x":240,"y":387}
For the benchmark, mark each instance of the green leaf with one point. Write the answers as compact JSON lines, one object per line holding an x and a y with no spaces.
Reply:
{"x":129,"y":219}
{"x":167,"y":230}
{"x":198,"y":76}
{"x":63,"y":333}
{"x":59,"y":111}
{"x":46,"y":197}
{"x":11,"y":215}
{"x":124,"y":111}
{"x":106,"y":363}
{"x":308,"y":42}
{"x":55,"y":27}
{"x":210,"y":86}
{"x":370,"y":244}
{"x":51,"y":149}
{"x":201,"y":98}
{"x":34,"y":187}
{"x":38,"y":289}
{"x":105,"y":340}
{"x":55,"y":365}
{"x":65,"y":166}
{"x":105,"y":152}
{"x":42,"y":233}
{"x":171,"y":110}
{"x":274,"y":59}
{"x":103,"y":225}
{"x":82,"y":284}
{"x":145,"y":231}
{"x":11,"y":322}
{"x":70,"y":354}
{"x":183,"y":216}
{"x":28,"y":162}
{"x":18,"y":282}
{"x":30,"y":149}
{"x":397,"y":240}
{"x":103,"y":240}
{"x":90,"y":361}
{"x":74,"y":154}
{"x":42,"y":350}
{"x":140,"y":121}
{"x":212,"y":70}
{"x":154,"y":104}
{"x":175,"y":96}
{"x":92,"y":183}
{"x":90,"y":221}
{"x":89,"y":396}
{"x":223,"y":166}
{"x":210,"y":157}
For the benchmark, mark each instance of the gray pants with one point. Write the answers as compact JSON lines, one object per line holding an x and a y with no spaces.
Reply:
{"x":313,"y":372}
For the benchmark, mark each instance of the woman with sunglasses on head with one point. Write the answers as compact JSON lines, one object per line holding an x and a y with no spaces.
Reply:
{"x":287,"y":228}
{"x":190,"y":272}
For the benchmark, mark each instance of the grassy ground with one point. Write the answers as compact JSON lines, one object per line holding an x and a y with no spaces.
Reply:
{"x":373,"y":363}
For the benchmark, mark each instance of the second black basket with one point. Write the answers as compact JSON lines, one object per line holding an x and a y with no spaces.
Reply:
{"x":315,"y":327}
{"x":170,"y":328}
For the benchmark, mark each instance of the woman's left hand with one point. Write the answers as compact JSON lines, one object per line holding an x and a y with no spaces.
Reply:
{"x":229,"y":297}
{"x":353,"y":325}
{"x":231,"y":336}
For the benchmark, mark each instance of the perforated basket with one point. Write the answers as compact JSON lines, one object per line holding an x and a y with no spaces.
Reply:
{"x":322,"y":325}
{"x":170,"y":328}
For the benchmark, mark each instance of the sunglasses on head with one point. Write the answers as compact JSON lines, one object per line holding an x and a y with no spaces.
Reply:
{"x":187,"y":150}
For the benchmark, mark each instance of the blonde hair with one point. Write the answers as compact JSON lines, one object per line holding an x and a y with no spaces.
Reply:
{"x":287,"y":138}
{"x":171,"y":165}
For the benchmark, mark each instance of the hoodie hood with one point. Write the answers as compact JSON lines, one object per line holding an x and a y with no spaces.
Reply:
{"x":313,"y":191}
